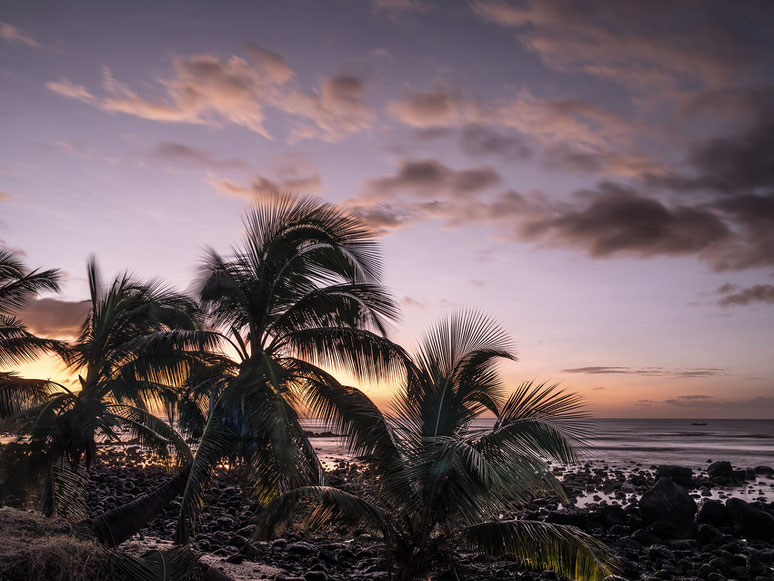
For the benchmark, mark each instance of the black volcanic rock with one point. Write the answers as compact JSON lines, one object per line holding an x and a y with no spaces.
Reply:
{"x":679,"y":474}
{"x":667,"y":501}
{"x":748,"y":520}
{"x":712,"y":512}
{"x":720,"y":470}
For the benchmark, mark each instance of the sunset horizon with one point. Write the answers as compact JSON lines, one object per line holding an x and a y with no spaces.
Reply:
{"x":606,"y":197}
{"x":387,"y":290}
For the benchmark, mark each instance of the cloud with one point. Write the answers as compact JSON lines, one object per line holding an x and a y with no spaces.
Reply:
{"x":614,"y":220}
{"x":261,"y":186}
{"x":335,"y":112}
{"x":648,"y":371}
{"x":430,"y":177}
{"x":573,"y":121}
{"x":5,"y":196}
{"x":759,"y":293}
{"x":204,"y":89}
{"x":600,"y":161}
{"x":479,"y":140}
{"x":414,"y":302}
{"x":384,"y":218}
{"x":608,"y":220}
{"x":71,"y":90}
{"x":14,"y":35}
{"x":400,"y":11}
{"x":55,"y":318}
{"x":628,"y":42}
{"x":179,"y":153}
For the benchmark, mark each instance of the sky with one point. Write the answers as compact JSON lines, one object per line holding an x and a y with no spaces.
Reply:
{"x":598,"y":176}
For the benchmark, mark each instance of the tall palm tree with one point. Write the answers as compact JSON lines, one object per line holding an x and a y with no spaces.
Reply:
{"x":438,"y":482}
{"x":301,"y":292}
{"x":18,"y":287}
{"x":135,"y":346}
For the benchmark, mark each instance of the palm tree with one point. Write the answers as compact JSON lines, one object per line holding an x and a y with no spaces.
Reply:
{"x":135,"y":346}
{"x":437,"y":482}
{"x":301,"y":292}
{"x":18,"y":287}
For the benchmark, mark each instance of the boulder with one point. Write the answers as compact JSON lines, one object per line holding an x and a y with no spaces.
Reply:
{"x":712,"y":512}
{"x":679,"y":474}
{"x":748,"y":520}
{"x":720,"y":470}
{"x":572,"y":516}
{"x":706,"y":534}
{"x":667,"y":501}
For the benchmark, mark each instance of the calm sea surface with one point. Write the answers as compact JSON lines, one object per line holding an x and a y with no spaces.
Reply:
{"x":745,"y":443}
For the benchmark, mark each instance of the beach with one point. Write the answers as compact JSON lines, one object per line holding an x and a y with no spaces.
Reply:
{"x":690,"y":519}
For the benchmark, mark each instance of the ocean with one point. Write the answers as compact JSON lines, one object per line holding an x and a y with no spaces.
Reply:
{"x":623,"y":442}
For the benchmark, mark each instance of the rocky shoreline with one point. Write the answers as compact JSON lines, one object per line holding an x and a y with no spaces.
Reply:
{"x":663,"y":522}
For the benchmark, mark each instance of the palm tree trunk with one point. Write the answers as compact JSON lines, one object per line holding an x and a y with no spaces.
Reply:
{"x":115,"y":526}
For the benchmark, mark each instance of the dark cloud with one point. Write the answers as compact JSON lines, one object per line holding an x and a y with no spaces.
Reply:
{"x":615,"y":220}
{"x":631,"y":42}
{"x":383,"y":218}
{"x":55,"y":318}
{"x":179,"y":153}
{"x":759,"y":293}
{"x":647,"y":371}
{"x":483,"y":140}
{"x":599,"y":161}
{"x":430,"y":177}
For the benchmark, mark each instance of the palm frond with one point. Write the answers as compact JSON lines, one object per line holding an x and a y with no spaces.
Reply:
{"x":566,"y":550}
{"x":18,"y":393}
{"x":152,"y":432}
{"x":322,"y":505}
{"x":176,"y":564}
{"x":64,"y":492}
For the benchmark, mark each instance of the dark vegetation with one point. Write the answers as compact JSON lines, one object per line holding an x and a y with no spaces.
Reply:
{"x":234,"y":371}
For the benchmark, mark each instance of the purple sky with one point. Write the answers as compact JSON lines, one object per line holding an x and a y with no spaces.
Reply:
{"x":599,"y":176}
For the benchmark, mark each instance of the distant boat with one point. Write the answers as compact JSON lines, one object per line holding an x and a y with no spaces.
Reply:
{"x":698,"y":423}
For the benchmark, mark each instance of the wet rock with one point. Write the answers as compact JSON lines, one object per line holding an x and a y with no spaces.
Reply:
{"x":748,"y":520}
{"x":571,"y":516}
{"x":708,"y":534}
{"x":300,"y":548}
{"x":667,"y":501}
{"x":720,"y":470}
{"x":712,"y":512}
{"x":664,"y":529}
{"x":679,"y":474}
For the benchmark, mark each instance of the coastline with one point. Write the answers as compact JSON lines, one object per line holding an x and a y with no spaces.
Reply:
{"x":605,"y":499}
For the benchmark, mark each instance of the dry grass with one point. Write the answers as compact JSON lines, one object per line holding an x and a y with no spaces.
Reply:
{"x":33,"y":548}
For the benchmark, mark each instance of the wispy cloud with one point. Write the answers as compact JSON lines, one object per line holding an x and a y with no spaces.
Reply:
{"x":205,"y":89}
{"x":648,"y":371}
{"x":627,"y":43}
{"x":735,"y":296}
{"x":15,"y":35}
{"x":182,"y":154}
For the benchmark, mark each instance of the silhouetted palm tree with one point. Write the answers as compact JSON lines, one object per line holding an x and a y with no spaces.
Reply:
{"x":436,"y":482}
{"x":18,"y":287}
{"x":135,"y":346}
{"x":302,"y":291}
